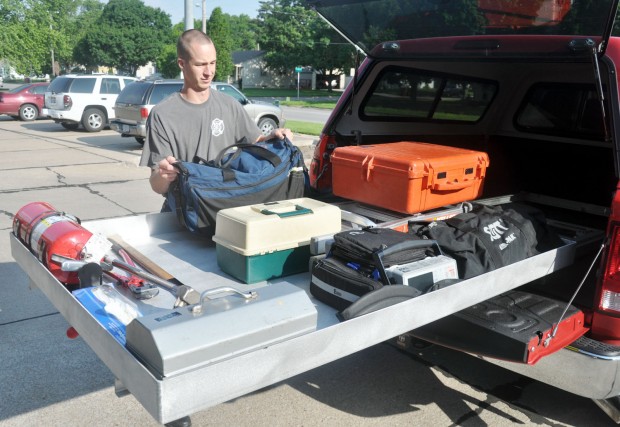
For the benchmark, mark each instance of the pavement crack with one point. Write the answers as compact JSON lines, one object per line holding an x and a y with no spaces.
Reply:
{"x":30,"y":318}
{"x":59,"y":177}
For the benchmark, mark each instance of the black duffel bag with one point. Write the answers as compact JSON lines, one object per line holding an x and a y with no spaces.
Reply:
{"x":490,"y":237}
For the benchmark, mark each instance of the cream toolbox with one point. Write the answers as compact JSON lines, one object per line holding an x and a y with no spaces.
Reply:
{"x":269,"y":240}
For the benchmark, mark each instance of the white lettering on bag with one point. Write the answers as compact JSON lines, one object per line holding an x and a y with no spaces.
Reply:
{"x":495,"y":230}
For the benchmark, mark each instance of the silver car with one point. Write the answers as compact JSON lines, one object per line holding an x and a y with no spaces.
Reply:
{"x":135,"y":102}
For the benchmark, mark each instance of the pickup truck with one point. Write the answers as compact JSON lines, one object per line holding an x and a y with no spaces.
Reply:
{"x":535,"y":85}
{"x":531,"y":83}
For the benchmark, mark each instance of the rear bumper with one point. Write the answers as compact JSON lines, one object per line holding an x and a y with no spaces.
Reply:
{"x":61,"y":115}
{"x":571,"y":369}
{"x":128,"y":129}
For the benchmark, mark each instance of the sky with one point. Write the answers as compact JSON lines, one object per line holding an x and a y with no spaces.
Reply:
{"x":176,"y":8}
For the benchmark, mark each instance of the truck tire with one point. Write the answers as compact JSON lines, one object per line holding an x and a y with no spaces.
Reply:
{"x":139,"y":139}
{"x":267,"y":125}
{"x":28,"y":112}
{"x":93,"y":119}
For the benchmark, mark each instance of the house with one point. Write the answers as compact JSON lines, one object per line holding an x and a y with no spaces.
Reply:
{"x":250,"y":67}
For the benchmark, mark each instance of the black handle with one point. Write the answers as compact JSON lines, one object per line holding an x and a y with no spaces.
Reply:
{"x":402,"y":246}
{"x":257,"y":150}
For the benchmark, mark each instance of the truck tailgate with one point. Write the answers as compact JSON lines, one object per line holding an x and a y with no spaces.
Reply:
{"x":193,"y":261}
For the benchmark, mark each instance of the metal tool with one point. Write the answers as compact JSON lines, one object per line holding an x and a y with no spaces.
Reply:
{"x":185,"y":294}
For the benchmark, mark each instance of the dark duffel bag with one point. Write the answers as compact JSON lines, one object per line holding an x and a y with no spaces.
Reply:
{"x":340,"y":282}
{"x":361,"y":246}
{"x":488,"y":237}
{"x":242,"y":174}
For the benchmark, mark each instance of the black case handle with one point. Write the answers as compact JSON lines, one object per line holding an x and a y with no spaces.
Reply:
{"x":401,"y":246}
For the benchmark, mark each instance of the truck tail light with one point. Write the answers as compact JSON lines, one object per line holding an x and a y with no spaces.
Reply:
{"x":67,"y":102}
{"x":144,"y":113}
{"x":610,"y":292}
{"x":320,"y":166}
{"x":606,"y":317}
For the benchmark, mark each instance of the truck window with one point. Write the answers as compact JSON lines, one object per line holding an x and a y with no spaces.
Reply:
{"x":562,"y":109}
{"x":406,"y":94}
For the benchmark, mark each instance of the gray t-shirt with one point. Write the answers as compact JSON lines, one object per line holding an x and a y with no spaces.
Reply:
{"x":181,"y":129}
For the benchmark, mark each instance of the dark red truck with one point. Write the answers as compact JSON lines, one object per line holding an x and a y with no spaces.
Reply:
{"x":535,"y":85}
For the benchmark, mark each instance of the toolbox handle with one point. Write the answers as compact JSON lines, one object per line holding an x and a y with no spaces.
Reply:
{"x":208,"y":294}
{"x":402,"y":246}
{"x":299,"y":210}
{"x":453,"y":186}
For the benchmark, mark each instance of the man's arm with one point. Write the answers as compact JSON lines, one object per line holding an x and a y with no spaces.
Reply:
{"x":163,"y":174}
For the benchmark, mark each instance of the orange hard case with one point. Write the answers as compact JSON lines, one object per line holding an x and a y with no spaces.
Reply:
{"x":407,"y":176}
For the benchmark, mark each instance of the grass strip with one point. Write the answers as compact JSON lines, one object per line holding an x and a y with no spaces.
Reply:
{"x":306,"y":128}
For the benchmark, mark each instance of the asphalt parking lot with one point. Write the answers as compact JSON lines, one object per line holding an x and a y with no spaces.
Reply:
{"x":48,"y":379}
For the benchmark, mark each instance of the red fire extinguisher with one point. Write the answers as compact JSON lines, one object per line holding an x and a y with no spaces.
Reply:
{"x":47,"y":232}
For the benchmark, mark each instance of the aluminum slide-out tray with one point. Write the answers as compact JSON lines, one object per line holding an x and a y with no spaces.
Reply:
{"x":193,"y":262}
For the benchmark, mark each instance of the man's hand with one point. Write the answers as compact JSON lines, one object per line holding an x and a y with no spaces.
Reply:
{"x":279,"y":133}
{"x":163,"y":174}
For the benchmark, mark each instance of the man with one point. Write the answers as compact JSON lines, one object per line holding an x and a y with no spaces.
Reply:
{"x":197,"y":121}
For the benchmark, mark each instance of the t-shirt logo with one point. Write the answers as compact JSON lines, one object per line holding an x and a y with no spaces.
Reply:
{"x":217,"y":127}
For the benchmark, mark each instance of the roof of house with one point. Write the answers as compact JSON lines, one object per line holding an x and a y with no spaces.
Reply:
{"x":241,"y":56}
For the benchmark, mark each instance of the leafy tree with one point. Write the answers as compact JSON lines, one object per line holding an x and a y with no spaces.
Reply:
{"x":167,"y":58}
{"x":310,"y":42}
{"x":286,"y":45}
{"x":32,"y":29}
{"x":243,"y":31}
{"x":219,"y":31}
{"x":128,"y":34}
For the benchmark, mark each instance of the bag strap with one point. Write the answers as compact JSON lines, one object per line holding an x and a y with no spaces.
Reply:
{"x":175,"y":189}
{"x":256,"y":150}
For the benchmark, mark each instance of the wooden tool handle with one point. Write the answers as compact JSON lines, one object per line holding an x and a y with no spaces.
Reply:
{"x":140,"y":259}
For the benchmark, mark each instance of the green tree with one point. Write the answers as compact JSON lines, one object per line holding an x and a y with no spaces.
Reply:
{"x":128,"y":34}
{"x":32,"y":29}
{"x":310,"y":42}
{"x":219,"y":31}
{"x":244,"y":32}
{"x":286,"y":45}
{"x":167,"y":59}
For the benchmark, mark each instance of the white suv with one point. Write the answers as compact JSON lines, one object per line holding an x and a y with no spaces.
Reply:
{"x":86,"y":99}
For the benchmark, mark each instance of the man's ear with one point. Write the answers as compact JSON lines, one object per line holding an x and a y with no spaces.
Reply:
{"x":180,"y":63}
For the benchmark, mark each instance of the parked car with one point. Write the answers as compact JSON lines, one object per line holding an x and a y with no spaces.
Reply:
{"x":88,"y":100}
{"x":23,"y":102}
{"x":266,"y":115}
{"x":135,"y":102}
{"x":134,"y":105}
{"x":538,"y":92}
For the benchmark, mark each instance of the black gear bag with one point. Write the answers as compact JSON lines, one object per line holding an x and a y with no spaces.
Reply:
{"x":490,"y":237}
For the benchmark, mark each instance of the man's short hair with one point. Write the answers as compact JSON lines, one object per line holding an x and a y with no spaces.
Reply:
{"x":187,"y":38}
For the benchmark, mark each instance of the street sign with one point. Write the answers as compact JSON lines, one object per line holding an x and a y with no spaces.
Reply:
{"x":298,"y":70}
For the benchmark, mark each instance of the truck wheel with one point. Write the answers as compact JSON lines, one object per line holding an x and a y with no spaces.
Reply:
{"x":70,"y":125}
{"x":93,"y":119}
{"x":140,"y":139}
{"x":28,"y":112}
{"x":267,"y":125}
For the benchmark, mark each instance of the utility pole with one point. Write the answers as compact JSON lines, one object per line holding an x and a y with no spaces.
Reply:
{"x":189,"y":15}
{"x":204,"y":16}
